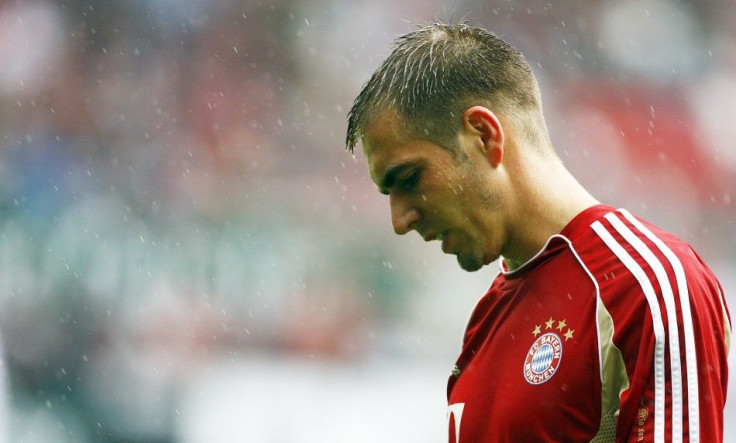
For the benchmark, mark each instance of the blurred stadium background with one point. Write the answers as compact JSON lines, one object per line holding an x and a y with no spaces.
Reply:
{"x":187,"y":253}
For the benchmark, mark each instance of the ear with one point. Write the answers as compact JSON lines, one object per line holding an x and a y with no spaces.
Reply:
{"x":484,"y":125}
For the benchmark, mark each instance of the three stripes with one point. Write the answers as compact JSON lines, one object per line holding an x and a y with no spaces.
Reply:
{"x":661,"y":336}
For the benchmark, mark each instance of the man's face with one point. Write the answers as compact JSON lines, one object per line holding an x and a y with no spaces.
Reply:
{"x":441,"y":196}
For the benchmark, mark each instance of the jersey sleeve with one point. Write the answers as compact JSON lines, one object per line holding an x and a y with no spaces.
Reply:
{"x":664,"y":334}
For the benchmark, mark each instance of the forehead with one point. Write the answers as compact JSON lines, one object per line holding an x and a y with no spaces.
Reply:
{"x":390,"y":148}
{"x":386,"y":144}
{"x":385,"y":129}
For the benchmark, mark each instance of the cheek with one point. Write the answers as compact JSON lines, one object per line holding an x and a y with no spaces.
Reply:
{"x":492,"y":200}
{"x":486,"y":195}
{"x":447,"y":180}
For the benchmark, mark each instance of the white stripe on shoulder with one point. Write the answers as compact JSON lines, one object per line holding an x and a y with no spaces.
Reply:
{"x":659,"y":335}
{"x":691,"y":364}
{"x":597,"y":293}
{"x":669,"y":303}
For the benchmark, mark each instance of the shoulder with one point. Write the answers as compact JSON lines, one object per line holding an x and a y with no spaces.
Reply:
{"x":645,"y":274}
{"x":619,"y":241}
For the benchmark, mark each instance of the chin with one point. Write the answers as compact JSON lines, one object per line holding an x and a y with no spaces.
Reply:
{"x":469,"y":263}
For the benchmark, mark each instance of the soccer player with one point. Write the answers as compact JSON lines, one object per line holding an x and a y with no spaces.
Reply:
{"x":599,"y":326}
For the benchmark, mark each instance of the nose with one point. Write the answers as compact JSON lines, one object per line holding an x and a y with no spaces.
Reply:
{"x":403,"y":215}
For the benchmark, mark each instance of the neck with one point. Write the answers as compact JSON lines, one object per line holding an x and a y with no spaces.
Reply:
{"x":549,"y":197}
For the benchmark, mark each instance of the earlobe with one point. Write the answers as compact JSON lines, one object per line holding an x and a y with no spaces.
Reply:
{"x":485,"y":125}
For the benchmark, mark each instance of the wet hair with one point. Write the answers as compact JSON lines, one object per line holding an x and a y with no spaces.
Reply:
{"x":435,"y":73}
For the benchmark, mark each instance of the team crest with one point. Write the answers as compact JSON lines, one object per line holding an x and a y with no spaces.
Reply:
{"x":545,"y":354}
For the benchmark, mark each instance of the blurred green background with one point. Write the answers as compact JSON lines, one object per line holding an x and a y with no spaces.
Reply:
{"x":188,"y":254}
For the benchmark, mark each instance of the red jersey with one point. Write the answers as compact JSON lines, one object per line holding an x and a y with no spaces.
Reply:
{"x":616,"y":330}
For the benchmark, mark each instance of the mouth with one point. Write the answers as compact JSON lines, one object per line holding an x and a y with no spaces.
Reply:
{"x":443,"y":237}
{"x":434,"y":236}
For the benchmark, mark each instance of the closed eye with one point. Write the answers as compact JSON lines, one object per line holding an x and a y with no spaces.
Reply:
{"x":402,"y":177}
{"x":410,"y":181}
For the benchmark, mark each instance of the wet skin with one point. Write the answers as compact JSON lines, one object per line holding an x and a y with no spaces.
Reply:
{"x":440,"y":195}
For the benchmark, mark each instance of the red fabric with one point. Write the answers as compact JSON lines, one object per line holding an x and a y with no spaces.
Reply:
{"x":547,"y":312}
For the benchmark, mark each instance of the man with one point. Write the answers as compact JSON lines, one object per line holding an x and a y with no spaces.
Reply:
{"x":599,"y":326}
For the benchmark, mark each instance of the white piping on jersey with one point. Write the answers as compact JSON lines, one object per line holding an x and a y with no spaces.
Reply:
{"x":544,"y":248}
{"x":601,"y":363}
{"x":693,"y":402}
{"x":597,"y":292}
{"x":659,"y":344}
{"x":671,"y":309}
{"x":611,"y":386}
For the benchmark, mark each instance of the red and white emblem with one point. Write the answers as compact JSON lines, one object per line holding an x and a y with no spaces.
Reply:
{"x":543,"y":358}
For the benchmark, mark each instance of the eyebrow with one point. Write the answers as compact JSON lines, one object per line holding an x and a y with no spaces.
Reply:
{"x":389,"y":177}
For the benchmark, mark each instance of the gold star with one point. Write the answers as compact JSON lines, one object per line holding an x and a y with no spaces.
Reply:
{"x":568,"y":334}
{"x":549,"y":323}
{"x":537,"y":330}
{"x":561,"y":325}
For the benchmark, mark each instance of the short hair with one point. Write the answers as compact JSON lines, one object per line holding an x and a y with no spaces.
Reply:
{"x":435,"y":73}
